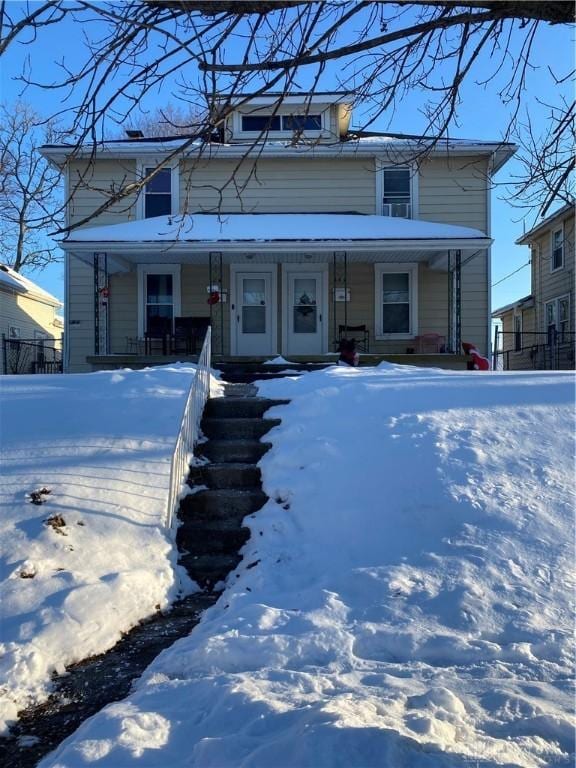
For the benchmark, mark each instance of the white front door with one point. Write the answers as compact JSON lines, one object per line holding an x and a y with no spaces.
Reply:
{"x":304,"y":316}
{"x":252,"y":314}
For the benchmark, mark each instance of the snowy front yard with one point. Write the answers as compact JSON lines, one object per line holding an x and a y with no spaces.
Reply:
{"x":102,"y":445}
{"x":410,"y":595}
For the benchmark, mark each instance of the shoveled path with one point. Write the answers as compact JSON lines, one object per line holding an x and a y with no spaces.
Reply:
{"x":209,"y":539}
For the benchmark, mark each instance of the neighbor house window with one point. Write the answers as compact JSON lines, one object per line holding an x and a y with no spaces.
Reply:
{"x":13,"y":332}
{"x":158,"y":193}
{"x":396,"y":296}
{"x":558,"y":316}
{"x":557,"y":249}
{"x":396,"y":192}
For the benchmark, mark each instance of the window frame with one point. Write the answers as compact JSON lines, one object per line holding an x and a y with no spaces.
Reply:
{"x":411,"y":268}
{"x":517,"y":333}
{"x":157,"y":269}
{"x":553,"y":232}
{"x":174,"y":168}
{"x":381,"y":167}
{"x":556,"y":304}
{"x":281,"y":113}
{"x":14,"y":336}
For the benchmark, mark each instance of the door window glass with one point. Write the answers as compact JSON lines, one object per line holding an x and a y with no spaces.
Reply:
{"x":254,"y":305}
{"x":305,"y":311}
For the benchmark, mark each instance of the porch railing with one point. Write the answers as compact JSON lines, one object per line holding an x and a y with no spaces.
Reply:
{"x":189,"y":429}
{"x":532,"y":350}
{"x":25,"y":356}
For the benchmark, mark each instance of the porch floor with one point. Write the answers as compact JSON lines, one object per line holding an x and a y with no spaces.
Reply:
{"x":305,"y":362}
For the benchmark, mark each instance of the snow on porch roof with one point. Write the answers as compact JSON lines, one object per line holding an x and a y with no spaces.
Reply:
{"x":278,"y":228}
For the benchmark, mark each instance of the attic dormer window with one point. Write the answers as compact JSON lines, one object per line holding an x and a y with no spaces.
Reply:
{"x":281,"y":123}
{"x":259,"y":123}
{"x":158,"y":194}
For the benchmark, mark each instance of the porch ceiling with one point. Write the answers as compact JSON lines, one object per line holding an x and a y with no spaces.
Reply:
{"x":127,"y":261}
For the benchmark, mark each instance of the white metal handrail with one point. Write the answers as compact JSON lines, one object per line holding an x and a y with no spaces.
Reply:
{"x":189,"y":429}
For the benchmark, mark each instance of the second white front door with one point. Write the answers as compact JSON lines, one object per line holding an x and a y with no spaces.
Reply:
{"x":252,"y":313}
{"x":304,"y":312}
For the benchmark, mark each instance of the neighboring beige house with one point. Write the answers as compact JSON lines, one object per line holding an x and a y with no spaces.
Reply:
{"x":538,"y":330}
{"x":279,"y":231}
{"x":29,"y":323}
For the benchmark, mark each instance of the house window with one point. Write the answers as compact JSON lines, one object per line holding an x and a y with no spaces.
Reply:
{"x":158,"y":193}
{"x":557,"y":250}
{"x":396,"y":298}
{"x":13,"y":332}
{"x":159,"y":304}
{"x":396,"y":189}
{"x":558,"y":317}
{"x":517,"y":332}
{"x":281,"y":123}
{"x":158,"y":298}
{"x":302,"y":122}
{"x":260,"y":123}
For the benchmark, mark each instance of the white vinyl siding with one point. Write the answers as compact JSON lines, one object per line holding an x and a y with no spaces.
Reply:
{"x":91,"y":185}
{"x":80,"y":314}
{"x":27,"y":317}
{"x":297,"y":185}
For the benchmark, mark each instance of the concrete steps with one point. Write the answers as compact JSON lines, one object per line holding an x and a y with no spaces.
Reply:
{"x":211,"y":532}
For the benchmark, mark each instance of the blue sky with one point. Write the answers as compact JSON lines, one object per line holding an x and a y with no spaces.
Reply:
{"x":481,"y":115}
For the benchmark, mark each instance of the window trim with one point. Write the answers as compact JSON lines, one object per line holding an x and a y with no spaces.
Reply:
{"x":396,"y":267}
{"x":552,"y":233}
{"x":143,"y":163}
{"x":381,"y":166}
{"x":157,"y":269}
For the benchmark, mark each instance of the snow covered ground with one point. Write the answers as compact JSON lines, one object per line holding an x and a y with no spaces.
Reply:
{"x":406,"y":598}
{"x":102,"y":444}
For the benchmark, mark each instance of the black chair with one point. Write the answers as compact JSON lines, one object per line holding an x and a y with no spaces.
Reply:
{"x":159,"y":330}
{"x":358,"y":332}
{"x":189,"y":334}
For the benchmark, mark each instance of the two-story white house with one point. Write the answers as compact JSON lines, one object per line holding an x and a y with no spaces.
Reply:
{"x":283,"y":231}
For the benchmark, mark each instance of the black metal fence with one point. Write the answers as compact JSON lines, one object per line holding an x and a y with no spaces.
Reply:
{"x":538,"y":351}
{"x":30,"y":356}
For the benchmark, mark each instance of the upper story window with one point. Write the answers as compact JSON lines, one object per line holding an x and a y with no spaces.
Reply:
{"x":557,"y":261}
{"x":158,"y":193}
{"x":281,"y":123}
{"x":396,"y":192}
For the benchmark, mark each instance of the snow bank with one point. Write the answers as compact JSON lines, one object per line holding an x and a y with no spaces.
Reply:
{"x":102,"y":445}
{"x":405,"y":599}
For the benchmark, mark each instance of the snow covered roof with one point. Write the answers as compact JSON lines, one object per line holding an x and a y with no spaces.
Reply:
{"x":280,"y":227}
{"x":526,"y":302}
{"x":365,"y":146}
{"x":14,"y":281}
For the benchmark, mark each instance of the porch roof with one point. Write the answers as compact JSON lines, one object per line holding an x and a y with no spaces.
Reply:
{"x":273,"y":231}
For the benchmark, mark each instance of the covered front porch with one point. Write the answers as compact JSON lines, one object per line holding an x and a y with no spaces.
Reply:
{"x":398,"y":287}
